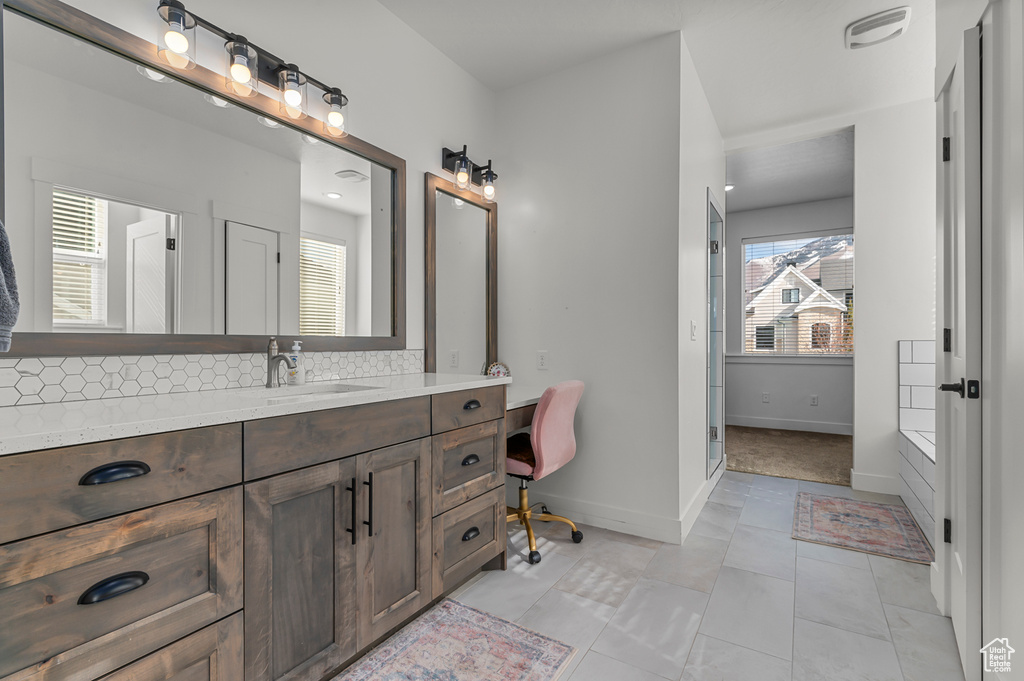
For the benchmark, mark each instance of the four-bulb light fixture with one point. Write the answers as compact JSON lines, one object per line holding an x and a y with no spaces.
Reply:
{"x":247,"y":66}
{"x":468,"y":173}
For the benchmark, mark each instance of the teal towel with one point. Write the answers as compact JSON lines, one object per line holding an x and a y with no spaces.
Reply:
{"x":9,"y":305}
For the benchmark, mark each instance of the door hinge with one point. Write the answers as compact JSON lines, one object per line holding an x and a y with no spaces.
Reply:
{"x":945,"y":149}
{"x":947,"y":531}
{"x":973,"y":389}
{"x":714,"y":248}
{"x":713,"y":432}
{"x":172,"y":244}
{"x":278,"y":258}
{"x":947,"y":340}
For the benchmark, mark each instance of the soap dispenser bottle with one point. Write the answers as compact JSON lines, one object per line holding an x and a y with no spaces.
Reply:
{"x":296,"y":376}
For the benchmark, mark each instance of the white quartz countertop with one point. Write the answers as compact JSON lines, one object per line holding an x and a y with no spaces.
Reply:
{"x":523,"y":395}
{"x":43,"y":426}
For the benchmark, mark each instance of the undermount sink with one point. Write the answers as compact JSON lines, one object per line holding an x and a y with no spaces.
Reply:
{"x":293,"y":393}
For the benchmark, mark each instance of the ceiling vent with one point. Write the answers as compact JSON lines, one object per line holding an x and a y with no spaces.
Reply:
{"x":877,"y":28}
{"x":352,"y":176}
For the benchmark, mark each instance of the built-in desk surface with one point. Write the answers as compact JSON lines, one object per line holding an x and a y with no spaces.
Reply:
{"x":522,"y":402}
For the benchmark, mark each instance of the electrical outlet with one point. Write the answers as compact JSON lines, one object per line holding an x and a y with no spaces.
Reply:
{"x":453,"y":359}
{"x":814,"y":400}
{"x":542,"y":360}
{"x":765,"y":398}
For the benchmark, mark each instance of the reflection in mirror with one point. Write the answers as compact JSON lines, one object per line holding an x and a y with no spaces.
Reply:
{"x":461,"y":285}
{"x":139,"y":204}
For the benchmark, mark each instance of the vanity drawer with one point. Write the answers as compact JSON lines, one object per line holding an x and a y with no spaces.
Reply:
{"x":82,"y":602}
{"x":286,"y":443}
{"x":57,"y":488}
{"x":210,"y":654}
{"x":467,"y":462}
{"x":449,"y":411}
{"x":467,"y":537}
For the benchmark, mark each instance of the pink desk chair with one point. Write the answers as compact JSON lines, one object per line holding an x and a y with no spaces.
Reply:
{"x":550,"y":445}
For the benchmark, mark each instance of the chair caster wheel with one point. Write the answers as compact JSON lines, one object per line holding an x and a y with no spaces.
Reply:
{"x":577,"y":536}
{"x":534,"y":557}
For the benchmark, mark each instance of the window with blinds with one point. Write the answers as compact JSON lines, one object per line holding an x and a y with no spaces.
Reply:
{"x":799,"y":296}
{"x":321,"y":288}
{"x":79,"y":259}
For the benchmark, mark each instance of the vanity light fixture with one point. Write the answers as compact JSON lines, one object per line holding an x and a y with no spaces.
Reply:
{"x":152,"y":75}
{"x":336,"y":117}
{"x":247,"y":66}
{"x":177,"y":43}
{"x":468,"y":173}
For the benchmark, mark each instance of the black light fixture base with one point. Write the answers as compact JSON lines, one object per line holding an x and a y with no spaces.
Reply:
{"x":450,"y":157}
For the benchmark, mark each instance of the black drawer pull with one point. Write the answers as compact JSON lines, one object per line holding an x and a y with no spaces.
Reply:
{"x":369,"y":519}
{"x":471,"y":533}
{"x":470,"y":460}
{"x":472,"y":404}
{"x":112,"y":587}
{"x":354,"y":511}
{"x":112,"y":472}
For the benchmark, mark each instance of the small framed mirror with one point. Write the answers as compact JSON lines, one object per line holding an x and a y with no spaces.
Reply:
{"x":461,"y":314}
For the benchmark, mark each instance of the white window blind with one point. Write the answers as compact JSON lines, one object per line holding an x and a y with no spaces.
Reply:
{"x":321,"y":288}
{"x":799,"y":296}
{"x":79,"y":259}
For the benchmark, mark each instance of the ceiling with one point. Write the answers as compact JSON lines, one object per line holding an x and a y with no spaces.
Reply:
{"x":764,"y":64}
{"x":812,"y":170}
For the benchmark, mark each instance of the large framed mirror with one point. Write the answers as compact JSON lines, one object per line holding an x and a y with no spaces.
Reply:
{"x":461,"y":249}
{"x":152,"y":210}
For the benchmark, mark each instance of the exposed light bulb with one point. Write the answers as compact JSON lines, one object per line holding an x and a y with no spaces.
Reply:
{"x":336,"y":119}
{"x":462,"y":178}
{"x":729,"y":187}
{"x":240,"y":71}
{"x":176,"y":40}
{"x":292,"y":96}
{"x":178,"y":61}
{"x":489,"y":191}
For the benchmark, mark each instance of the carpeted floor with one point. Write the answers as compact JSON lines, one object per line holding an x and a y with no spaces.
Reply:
{"x":818,"y":457}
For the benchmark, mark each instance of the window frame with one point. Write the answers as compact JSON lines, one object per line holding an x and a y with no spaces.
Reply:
{"x":99,"y":262}
{"x":334,"y":241}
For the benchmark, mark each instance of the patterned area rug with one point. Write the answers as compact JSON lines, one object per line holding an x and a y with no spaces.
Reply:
{"x":454,"y":642}
{"x":881,"y":529}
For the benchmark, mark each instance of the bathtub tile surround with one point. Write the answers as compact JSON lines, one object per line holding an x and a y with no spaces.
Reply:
{"x":46,"y":380}
{"x":917,"y":432}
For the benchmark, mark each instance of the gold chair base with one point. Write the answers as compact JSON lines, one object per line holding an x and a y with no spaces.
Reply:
{"x":524,"y":514}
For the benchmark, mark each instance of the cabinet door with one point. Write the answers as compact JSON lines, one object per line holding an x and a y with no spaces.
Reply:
{"x":394,"y":551}
{"x":300,"y":599}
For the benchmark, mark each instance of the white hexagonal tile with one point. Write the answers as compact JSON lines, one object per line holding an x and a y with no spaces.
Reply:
{"x":8,"y":396}
{"x":73,"y":397}
{"x":130,"y":388}
{"x":163,"y":370}
{"x":207,"y":361}
{"x":147,"y":391}
{"x":146,"y":363}
{"x":233,"y":360}
{"x":221,"y":368}
{"x":220,"y":382}
{"x":29,"y":385}
{"x":73,"y":365}
{"x":111,"y":393}
{"x":52,"y":393}
{"x":130,"y":359}
{"x":29,"y":399}
{"x":193,"y":384}
{"x":193,"y":369}
{"x":93,"y":361}
{"x":147,"y":379}
{"x":30,"y":366}
{"x":129,"y":372}
{"x":51,"y":361}
{"x":178,"y":377}
{"x":93,"y":374}
{"x":178,"y":362}
{"x":163,"y":386}
{"x":52,"y":375}
{"x":73,"y":383}
{"x":111,"y":364}
{"x":9,"y":378}
{"x":112,"y":381}
{"x":93,"y":391}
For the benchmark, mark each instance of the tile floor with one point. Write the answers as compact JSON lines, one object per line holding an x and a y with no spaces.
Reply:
{"x":739,"y":600}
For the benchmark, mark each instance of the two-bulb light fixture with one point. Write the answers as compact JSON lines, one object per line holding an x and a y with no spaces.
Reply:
{"x":468,"y":173}
{"x":247,"y":66}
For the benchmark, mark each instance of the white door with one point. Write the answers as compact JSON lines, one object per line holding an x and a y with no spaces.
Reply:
{"x":250,"y":286}
{"x":958,"y":365}
{"x":149,"y":276}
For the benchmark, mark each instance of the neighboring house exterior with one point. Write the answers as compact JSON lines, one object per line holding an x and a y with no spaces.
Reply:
{"x":792,"y":314}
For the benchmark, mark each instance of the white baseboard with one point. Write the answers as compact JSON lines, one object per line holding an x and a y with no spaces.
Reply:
{"x":790,"y":424}
{"x":868,"y":482}
{"x":659,"y":528}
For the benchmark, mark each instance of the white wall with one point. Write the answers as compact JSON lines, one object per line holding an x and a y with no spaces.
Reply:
{"x":587,"y":262}
{"x":401,"y":88}
{"x":790,"y":381}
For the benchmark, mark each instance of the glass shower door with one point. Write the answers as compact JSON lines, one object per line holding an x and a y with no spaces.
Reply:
{"x":716,"y":335}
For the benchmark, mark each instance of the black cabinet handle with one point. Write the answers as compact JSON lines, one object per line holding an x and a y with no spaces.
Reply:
{"x":355,"y":506}
{"x":470,"y":460}
{"x":112,"y":587}
{"x":472,"y":404}
{"x":471,"y":533}
{"x":369,"y":521}
{"x":953,"y":387}
{"x":112,"y":472}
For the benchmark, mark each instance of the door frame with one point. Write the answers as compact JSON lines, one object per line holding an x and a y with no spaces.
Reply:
{"x":713,"y":204}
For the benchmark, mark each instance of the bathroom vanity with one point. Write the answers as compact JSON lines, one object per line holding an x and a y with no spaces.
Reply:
{"x":278,"y":537}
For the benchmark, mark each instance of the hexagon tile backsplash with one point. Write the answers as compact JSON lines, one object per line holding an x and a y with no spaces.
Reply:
{"x":38,"y":380}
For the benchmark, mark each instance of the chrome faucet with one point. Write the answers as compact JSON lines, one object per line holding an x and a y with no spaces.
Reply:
{"x":274,"y":359}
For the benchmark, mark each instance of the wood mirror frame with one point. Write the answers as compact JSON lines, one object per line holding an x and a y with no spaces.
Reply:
{"x":436,"y":184}
{"x":78,"y":24}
